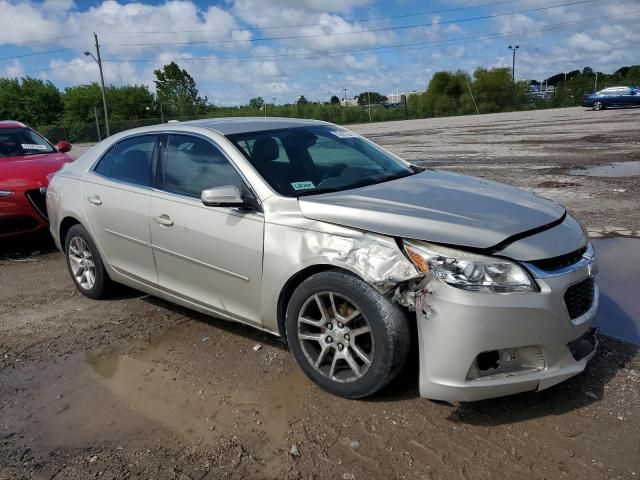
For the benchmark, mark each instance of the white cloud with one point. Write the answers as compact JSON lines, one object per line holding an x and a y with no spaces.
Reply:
{"x":12,"y":70}
{"x":582,"y":41}
{"x":516,"y":23}
{"x":24,"y":22}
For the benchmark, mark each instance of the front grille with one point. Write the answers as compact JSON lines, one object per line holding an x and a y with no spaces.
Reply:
{"x":563,"y":261}
{"x":16,"y":224}
{"x":38,"y":200}
{"x":579,"y":297}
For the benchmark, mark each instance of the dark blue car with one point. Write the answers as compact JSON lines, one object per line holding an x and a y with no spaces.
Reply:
{"x":613,"y":97}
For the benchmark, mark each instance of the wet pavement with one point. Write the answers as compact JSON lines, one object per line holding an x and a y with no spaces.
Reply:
{"x":615,"y":169}
{"x":619,"y":283}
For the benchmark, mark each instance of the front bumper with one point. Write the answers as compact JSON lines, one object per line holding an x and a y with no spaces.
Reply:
{"x":21,"y":213}
{"x":456,"y":326}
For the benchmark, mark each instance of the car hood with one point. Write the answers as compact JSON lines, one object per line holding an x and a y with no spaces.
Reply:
{"x":30,"y":171}
{"x":438,"y":207}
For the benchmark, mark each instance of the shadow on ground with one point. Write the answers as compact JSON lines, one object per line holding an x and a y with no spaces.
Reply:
{"x":574,"y":394}
{"x":22,"y":246}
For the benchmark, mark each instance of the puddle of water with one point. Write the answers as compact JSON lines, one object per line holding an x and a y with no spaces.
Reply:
{"x":106,"y":397}
{"x":615,"y":169}
{"x":618,"y":281}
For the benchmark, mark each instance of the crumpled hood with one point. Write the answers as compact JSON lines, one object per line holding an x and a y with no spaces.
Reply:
{"x":438,"y":207}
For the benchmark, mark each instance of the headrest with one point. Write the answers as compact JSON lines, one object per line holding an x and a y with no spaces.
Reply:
{"x":265,"y":149}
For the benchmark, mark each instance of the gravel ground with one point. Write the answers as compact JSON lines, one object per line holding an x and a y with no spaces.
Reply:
{"x":134,"y":387}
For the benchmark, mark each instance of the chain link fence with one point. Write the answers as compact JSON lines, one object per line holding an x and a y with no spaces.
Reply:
{"x":421,"y":105}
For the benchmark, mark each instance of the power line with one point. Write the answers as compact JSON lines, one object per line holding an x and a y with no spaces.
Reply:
{"x":42,"y":40}
{"x":403,"y":46}
{"x":373,"y":30}
{"x":346,"y":19}
{"x":35,"y":54}
{"x":66,"y":65}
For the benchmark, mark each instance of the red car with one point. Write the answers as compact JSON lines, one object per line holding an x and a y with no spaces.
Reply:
{"x":26,"y":161}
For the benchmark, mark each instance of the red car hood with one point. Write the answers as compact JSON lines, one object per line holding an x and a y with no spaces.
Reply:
{"x":29,"y":171}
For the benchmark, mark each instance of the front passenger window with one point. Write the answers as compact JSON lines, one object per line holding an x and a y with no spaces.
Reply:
{"x":193,"y":164}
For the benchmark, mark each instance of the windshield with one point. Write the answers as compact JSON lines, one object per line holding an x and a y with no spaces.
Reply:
{"x":317,"y":159}
{"x":22,"y":141}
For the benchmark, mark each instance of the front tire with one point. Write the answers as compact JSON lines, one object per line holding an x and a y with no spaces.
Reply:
{"x":346,"y":337}
{"x":85,"y":263}
{"x":597,"y":105}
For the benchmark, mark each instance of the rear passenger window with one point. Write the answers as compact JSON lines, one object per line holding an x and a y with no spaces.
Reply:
{"x":104,"y":165}
{"x":193,"y":165}
{"x":132,"y":160}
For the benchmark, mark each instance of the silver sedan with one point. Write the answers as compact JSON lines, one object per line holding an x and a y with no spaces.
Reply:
{"x":349,"y":253}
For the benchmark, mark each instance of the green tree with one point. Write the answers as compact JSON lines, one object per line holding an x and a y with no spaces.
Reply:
{"x":302,"y":100}
{"x":177,"y":91}
{"x":80,"y":101}
{"x":256,"y":103}
{"x":334,"y":100}
{"x":374,"y":97}
{"x":30,"y":100}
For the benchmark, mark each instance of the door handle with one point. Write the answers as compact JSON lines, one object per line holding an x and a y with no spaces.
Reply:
{"x":95,"y":200}
{"x":163,"y":220}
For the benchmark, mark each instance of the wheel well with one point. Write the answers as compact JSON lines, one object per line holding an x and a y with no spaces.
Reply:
{"x":290,"y":287}
{"x":65,"y":225}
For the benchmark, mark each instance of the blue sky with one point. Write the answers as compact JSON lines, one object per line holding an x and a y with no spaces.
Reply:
{"x":238,"y":49}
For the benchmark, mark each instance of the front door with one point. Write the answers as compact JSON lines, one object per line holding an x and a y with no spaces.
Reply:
{"x":209,"y":255}
{"x":116,"y":197}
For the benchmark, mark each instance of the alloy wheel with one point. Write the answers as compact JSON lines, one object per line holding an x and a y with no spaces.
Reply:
{"x":81,"y":262}
{"x":597,"y":106}
{"x":335,"y":336}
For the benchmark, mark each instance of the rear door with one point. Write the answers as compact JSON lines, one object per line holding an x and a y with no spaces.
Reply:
{"x":211,"y":256}
{"x":117,"y":196}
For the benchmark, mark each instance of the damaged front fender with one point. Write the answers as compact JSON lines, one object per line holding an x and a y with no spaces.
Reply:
{"x":293,"y":244}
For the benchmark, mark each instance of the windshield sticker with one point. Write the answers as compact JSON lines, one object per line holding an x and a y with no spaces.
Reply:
{"x":33,"y":146}
{"x":302,"y":185}
{"x":344,"y":134}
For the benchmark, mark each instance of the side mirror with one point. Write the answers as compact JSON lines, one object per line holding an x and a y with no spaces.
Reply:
{"x":225,"y":196}
{"x":63,"y":146}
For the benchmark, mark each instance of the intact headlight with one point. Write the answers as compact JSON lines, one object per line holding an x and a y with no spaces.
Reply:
{"x":469,"y":271}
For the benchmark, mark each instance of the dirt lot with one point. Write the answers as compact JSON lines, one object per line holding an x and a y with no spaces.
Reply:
{"x":134,"y":387}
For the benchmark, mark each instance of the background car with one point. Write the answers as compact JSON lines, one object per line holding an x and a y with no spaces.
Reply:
{"x":26,"y":161}
{"x":613,"y":97}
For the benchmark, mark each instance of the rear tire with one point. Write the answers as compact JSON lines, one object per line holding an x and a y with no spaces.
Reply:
{"x":346,"y":337}
{"x":85,"y":263}
{"x":598,"y":105}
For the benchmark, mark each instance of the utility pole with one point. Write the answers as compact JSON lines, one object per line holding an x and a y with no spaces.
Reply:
{"x":513,"y":65}
{"x":595,"y":86}
{"x":98,"y":60}
{"x":472,"y":97}
{"x":95,"y":113}
{"x":274,"y":103}
{"x":345,"y":96}
{"x":369,"y":102}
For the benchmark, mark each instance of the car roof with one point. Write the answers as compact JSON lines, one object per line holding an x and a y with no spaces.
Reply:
{"x":232,"y":125}
{"x":11,"y":124}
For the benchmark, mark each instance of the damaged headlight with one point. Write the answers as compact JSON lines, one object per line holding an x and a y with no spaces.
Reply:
{"x":469,"y":271}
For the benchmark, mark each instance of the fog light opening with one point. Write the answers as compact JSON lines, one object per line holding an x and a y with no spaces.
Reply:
{"x":506,"y":363}
{"x":488,"y":360}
